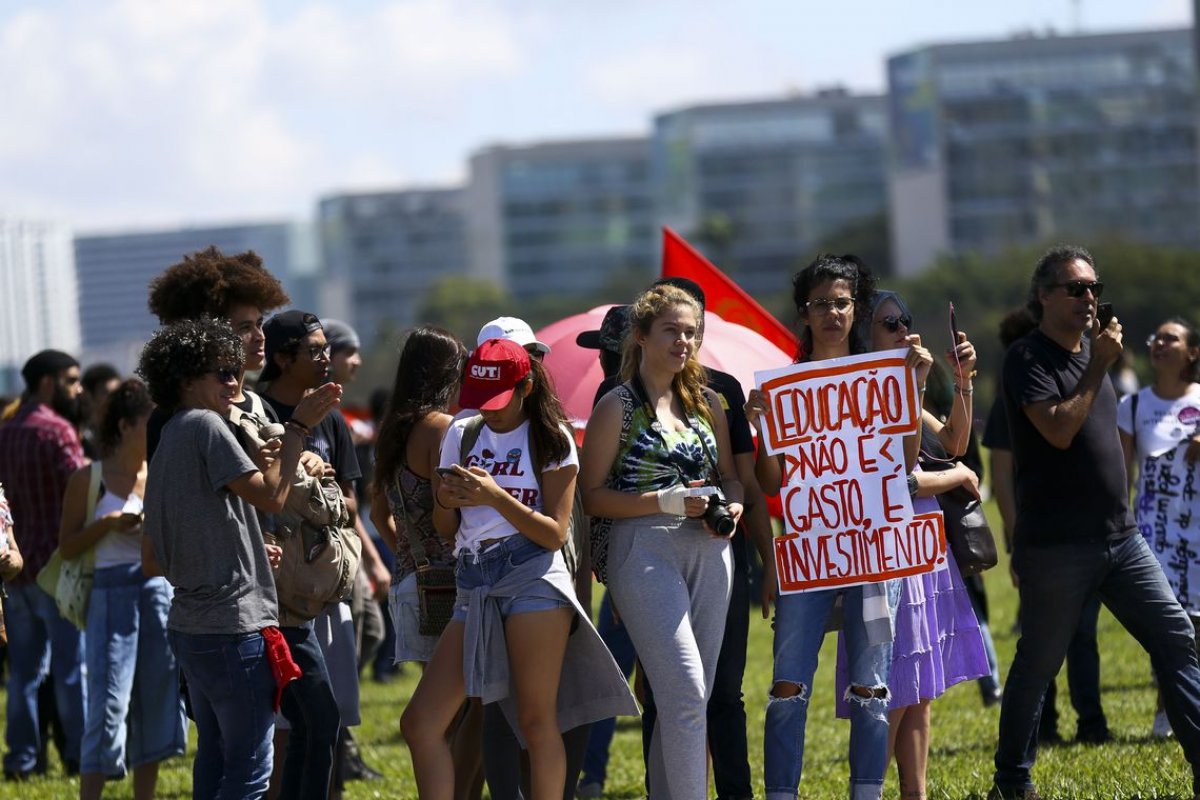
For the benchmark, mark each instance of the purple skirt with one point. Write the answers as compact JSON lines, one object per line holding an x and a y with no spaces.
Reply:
{"x":937,"y":640}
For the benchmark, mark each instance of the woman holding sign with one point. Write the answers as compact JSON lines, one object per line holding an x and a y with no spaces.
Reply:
{"x":657,"y":461}
{"x":1160,"y":434}
{"x":937,"y":640}
{"x":830,"y":294}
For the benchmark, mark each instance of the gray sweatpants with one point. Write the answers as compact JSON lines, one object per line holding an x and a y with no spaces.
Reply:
{"x":670,"y":581}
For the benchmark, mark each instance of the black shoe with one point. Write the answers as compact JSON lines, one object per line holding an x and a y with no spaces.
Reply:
{"x":1013,"y":794}
{"x":356,"y":770}
{"x":993,"y":698}
{"x":1049,"y":736}
{"x":1093,"y":735}
{"x":17,"y":776}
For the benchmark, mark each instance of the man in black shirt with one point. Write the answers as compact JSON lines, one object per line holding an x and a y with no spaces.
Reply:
{"x":1074,"y":535}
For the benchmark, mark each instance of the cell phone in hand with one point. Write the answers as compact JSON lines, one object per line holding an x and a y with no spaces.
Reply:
{"x":1104,"y":314}
{"x":444,"y":471}
{"x":953,"y":326}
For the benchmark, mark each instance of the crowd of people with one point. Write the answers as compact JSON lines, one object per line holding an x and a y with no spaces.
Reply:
{"x":228,"y":575}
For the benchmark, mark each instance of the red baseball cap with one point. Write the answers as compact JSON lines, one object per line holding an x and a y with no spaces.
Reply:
{"x":493,"y":371}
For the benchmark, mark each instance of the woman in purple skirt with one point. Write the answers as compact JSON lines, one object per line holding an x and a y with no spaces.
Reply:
{"x":937,"y":640}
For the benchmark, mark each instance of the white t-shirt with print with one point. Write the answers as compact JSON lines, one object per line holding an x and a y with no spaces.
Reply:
{"x":506,"y":458}
{"x":1161,"y":424}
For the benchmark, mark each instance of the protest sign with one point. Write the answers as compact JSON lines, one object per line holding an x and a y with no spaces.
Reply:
{"x":839,"y":426}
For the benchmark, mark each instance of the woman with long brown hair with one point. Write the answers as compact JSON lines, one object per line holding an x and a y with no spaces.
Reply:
{"x":658,"y":472}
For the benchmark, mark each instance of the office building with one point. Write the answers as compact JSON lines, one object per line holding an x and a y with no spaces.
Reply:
{"x":383,"y":251}
{"x":761,"y":187}
{"x":38,"y":302}
{"x":1036,"y":139}
{"x":562,"y":217}
{"x":115,"y":269}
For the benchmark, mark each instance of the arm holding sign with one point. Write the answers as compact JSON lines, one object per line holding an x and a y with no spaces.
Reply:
{"x":920,"y":360}
{"x":768,"y":469}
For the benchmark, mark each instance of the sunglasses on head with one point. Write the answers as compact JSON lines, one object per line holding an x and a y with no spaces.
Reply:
{"x":1078,"y":288}
{"x":892,"y":323}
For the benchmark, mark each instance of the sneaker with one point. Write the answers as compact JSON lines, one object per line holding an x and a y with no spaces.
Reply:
{"x":1162,"y":726}
{"x":993,"y":698}
{"x":1093,"y":735}
{"x":586,"y":791}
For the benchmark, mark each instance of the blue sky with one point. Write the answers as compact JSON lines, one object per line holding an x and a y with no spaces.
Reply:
{"x":135,"y":113}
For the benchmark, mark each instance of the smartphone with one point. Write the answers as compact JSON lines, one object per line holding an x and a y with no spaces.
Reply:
{"x":444,"y":471}
{"x":1104,"y":314}
{"x":953,"y":326}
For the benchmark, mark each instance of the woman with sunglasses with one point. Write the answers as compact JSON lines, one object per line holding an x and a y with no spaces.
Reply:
{"x":937,"y":642}
{"x":830,"y":294}
{"x":1160,"y":436}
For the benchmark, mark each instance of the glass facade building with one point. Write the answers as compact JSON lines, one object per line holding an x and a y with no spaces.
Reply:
{"x":562,"y":217}
{"x":761,"y":187}
{"x":382,"y":251}
{"x":1033,"y":139}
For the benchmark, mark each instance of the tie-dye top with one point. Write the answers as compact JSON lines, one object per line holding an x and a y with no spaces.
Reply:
{"x":650,"y":461}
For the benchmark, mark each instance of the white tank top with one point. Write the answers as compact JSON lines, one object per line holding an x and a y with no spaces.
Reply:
{"x":117,"y":549}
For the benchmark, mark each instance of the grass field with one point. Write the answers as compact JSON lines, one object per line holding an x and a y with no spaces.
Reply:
{"x":964,"y":734}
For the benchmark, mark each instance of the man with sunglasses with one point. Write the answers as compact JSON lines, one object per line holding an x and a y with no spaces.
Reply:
{"x":1074,"y":535}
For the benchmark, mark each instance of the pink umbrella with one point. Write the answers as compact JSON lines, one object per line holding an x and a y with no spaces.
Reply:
{"x":576,"y":370}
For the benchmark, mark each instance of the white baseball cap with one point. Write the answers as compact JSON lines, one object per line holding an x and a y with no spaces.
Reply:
{"x":513,"y":329}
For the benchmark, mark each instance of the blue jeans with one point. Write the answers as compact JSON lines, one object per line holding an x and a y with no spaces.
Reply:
{"x":40,"y":643}
{"x":616,"y":638}
{"x":799,"y":629}
{"x":311,"y":710}
{"x":1056,"y":583}
{"x":131,"y":674}
{"x":233,"y":696}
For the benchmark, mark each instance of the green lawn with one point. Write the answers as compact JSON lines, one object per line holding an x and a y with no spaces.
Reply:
{"x":1133,"y":766}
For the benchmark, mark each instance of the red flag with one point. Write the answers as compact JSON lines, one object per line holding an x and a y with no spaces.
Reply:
{"x":722,"y":295}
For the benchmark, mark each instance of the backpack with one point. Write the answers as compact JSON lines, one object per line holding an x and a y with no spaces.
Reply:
{"x":321,"y":549}
{"x":577,"y":526}
{"x":602,"y":526}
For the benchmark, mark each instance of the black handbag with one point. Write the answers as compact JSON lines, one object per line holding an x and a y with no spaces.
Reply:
{"x":967,"y":532}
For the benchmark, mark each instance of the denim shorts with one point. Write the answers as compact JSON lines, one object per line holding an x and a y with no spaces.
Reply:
{"x":404,"y":604}
{"x":488,"y":567}
{"x":135,"y":714}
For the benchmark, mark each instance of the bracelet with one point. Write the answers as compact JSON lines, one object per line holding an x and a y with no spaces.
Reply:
{"x":921,"y":390}
{"x":297,"y":427}
{"x":967,"y":392}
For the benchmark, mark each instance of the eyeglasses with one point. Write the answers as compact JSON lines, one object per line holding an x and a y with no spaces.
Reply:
{"x":892,"y":323}
{"x":1077,"y":288}
{"x":1161,"y":338}
{"x":316,"y":352}
{"x":826,"y":305}
{"x":226,"y":374}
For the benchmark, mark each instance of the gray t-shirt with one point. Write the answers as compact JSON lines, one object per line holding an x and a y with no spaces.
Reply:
{"x":207,"y":538}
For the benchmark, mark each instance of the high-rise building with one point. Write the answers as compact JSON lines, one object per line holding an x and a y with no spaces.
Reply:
{"x":561,"y":217}
{"x":761,"y":187}
{"x":1042,"y":138}
{"x":384,"y":250}
{"x":38,"y":302}
{"x":115,"y":269}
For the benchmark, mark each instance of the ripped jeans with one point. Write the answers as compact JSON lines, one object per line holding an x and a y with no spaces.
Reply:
{"x":799,"y":630}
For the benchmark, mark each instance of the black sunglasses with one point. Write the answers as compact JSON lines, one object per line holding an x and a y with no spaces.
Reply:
{"x":892,"y":323}
{"x":227,"y":374}
{"x":1077,"y":288}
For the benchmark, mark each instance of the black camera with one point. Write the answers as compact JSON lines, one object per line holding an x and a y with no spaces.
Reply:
{"x":717,"y":516}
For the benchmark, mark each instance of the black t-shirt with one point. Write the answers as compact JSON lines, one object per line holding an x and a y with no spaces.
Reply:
{"x":330,"y":439}
{"x":1076,"y":494}
{"x":995,"y":431}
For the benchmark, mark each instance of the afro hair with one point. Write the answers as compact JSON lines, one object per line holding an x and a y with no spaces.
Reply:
{"x":210,"y":283}
{"x":184,"y":351}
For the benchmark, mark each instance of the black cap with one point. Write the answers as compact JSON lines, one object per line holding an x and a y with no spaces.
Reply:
{"x":686,"y":284}
{"x":47,"y":362}
{"x":285,"y":327}
{"x":611,"y":333}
